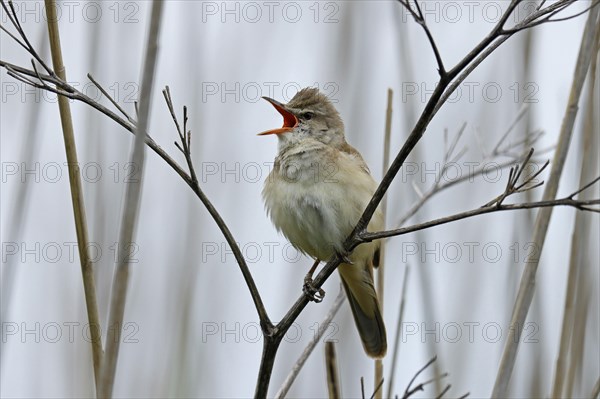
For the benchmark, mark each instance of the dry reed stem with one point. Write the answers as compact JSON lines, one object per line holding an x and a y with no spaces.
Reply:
{"x":131,"y":209}
{"x":381,"y":269}
{"x":527,"y":286}
{"x":87,"y":272}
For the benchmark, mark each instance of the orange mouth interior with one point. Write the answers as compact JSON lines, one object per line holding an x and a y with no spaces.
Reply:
{"x":289,"y":120}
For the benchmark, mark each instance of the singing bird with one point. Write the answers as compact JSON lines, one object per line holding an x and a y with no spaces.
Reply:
{"x":315,"y":194}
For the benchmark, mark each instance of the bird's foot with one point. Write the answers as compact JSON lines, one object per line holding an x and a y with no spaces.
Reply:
{"x":313,"y":293}
{"x":344,"y":256}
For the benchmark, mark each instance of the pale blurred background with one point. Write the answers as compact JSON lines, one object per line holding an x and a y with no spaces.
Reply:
{"x":193,"y":329}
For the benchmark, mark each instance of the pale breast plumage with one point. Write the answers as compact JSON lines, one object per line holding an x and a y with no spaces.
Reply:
{"x":320,"y":198}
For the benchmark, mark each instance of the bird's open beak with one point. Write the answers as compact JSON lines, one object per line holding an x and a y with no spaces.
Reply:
{"x":289,"y":120}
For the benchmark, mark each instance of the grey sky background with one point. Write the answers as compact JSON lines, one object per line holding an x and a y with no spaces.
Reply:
{"x":193,"y":331}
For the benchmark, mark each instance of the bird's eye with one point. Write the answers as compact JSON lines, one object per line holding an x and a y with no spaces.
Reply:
{"x":307,"y":116}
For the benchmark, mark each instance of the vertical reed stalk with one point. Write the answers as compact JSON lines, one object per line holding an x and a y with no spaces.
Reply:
{"x":89,"y":285}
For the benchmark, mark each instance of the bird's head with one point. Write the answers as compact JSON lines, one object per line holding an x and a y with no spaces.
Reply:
{"x":309,"y":114}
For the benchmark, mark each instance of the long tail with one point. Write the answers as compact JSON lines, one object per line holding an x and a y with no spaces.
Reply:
{"x":358,"y":282}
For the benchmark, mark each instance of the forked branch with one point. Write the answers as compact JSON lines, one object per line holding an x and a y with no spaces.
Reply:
{"x":513,"y":186}
{"x":46,"y":82}
{"x":410,"y":390}
{"x":419,"y":18}
{"x":449,"y":80}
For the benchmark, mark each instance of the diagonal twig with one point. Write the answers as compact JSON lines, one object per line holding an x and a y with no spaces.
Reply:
{"x":420,"y":20}
{"x":110,"y":98}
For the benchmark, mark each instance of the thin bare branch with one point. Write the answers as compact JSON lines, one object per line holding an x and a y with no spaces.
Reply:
{"x":441,"y":395}
{"x":14,"y":19}
{"x":74,"y":94}
{"x":110,"y":98}
{"x":491,"y":42}
{"x":377,"y":389}
{"x":539,"y":6}
{"x":11,"y":72}
{"x":580,"y":205}
{"x":184,"y":135}
{"x":590,"y":184}
{"x":420,"y":20}
{"x":167,"y":95}
{"x":548,"y":19}
{"x":421,"y":386}
{"x":409,"y":391}
{"x":323,"y":327}
{"x":437,"y":187}
{"x":13,"y":37}
{"x":531,"y":138}
{"x":37,"y":74}
{"x":362,"y":387}
{"x":520,"y":116}
{"x":513,"y":179}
